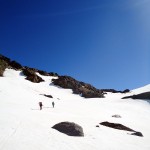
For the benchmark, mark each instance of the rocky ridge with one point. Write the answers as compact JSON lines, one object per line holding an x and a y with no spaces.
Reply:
{"x":67,"y":82}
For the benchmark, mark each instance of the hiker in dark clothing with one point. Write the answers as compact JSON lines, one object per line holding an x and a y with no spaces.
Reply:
{"x":53,"y":104}
{"x":40,"y":104}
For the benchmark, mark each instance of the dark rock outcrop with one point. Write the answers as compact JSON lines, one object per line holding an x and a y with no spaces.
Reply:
{"x":31,"y":75}
{"x":110,"y":90}
{"x":85,"y":90}
{"x":4,"y":63}
{"x":5,"y":58}
{"x":115,"y":91}
{"x":49,"y":96}
{"x":7,"y":63}
{"x":116,"y":116}
{"x":145,"y":95}
{"x":126,"y":91}
{"x":15,"y":65}
{"x":69,"y":128}
{"x":44,"y":73}
{"x":116,"y":126}
{"x":53,"y":74}
{"x":137,"y":134}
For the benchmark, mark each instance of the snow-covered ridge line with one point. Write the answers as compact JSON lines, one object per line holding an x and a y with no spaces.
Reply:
{"x":143,"y":89}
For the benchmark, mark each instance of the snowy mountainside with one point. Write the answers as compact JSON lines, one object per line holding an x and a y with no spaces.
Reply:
{"x":23,"y":126}
{"x":140,"y":90}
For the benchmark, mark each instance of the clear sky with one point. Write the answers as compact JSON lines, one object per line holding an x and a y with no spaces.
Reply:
{"x":102,"y":42}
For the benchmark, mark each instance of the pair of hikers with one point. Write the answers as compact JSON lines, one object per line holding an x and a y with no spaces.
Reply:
{"x":41,"y":105}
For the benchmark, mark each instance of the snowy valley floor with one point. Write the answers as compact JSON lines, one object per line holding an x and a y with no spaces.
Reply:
{"x":24,"y":127}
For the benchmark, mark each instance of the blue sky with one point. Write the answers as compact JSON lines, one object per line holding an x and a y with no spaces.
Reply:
{"x":102,"y":42}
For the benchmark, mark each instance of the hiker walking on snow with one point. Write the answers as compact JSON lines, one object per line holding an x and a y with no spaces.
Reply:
{"x":53,"y":104}
{"x":40,"y":104}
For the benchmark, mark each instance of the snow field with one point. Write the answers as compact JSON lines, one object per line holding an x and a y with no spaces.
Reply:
{"x":23,"y":126}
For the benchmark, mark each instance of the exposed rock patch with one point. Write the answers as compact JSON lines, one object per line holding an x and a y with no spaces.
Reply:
{"x":69,"y":128}
{"x":15,"y":65}
{"x":121,"y":127}
{"x":137,"y":134}
{"x":145,"y":95}
{"x":31,"y":75}
{"x":116,"y":116}
{"x":3,"y":66}
{"x":4,"y":63}
{"x":7,"y":63}
{"x":115,"y":91}
{"x":53,"y":74}
{"x":116,"y":126}
{"x":49,"y":96}
{"x":85,"y":90}
{"x":44,"y":73}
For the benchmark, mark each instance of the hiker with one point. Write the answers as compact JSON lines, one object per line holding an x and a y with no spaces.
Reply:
{"x":53,"y":104}
{"x":40,"y":104}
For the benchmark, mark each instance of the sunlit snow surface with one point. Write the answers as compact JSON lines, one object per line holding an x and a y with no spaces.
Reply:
{"x":24,"y":127}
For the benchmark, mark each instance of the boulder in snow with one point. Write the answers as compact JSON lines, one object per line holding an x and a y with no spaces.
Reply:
{"x":69,"y":128}
{"x":137,"y":134}
{"x":116,"y":126}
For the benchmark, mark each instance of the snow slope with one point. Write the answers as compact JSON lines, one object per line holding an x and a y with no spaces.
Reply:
{"x":142,"y":89}
{"x":24,"y":127}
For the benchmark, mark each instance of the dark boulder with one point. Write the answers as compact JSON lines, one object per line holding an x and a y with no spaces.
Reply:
{"x":31,"y":75}
{"x":137,"y":134}
{"x":84,"y":89}
{"x":116,"y":126}
{"x":69,"y":128}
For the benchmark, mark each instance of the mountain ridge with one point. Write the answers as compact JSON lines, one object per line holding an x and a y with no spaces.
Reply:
{"x":103,"y":120}
{"x":84,"y":89}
